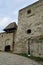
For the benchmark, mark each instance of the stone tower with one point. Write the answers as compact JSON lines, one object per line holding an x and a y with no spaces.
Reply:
{"x":29,"y":37}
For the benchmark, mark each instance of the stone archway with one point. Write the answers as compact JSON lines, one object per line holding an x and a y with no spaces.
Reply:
{"x":7,"y":45}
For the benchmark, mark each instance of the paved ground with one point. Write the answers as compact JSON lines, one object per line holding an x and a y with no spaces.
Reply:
{"x":12,"y":59}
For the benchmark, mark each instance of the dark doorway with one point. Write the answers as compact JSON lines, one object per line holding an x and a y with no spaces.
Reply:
{"x":7,"y":48}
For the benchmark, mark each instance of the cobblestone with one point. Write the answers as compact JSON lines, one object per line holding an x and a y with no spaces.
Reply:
{"x":12,"y":59}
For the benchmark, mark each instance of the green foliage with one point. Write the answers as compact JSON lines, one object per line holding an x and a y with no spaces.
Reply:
{"x":31,"y":57}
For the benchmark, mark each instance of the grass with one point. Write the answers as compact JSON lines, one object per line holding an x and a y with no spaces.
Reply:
{"x":31,"y":57}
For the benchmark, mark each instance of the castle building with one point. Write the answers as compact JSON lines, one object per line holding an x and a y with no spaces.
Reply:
{"x":7,"y":38}
{"x":28,"y":36}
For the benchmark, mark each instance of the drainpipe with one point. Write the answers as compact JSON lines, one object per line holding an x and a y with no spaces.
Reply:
{"x":29,"y":48}
{"x":13,"y":42}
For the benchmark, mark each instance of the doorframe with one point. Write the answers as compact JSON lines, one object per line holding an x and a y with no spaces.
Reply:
{"x":7,"y":44}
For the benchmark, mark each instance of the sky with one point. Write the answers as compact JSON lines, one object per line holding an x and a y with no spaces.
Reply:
{"x":9,"y":11}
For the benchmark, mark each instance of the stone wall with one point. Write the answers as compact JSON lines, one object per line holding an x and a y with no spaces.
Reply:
{"x":30,"y":17}
{"x":5,"y":39}
{"x":36,"y":46}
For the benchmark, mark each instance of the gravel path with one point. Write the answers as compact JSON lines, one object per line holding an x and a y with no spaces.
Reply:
{"x":12,"y":59}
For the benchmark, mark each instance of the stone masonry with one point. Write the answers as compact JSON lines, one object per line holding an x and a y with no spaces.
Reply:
{"x":28,"y":36}
{"x":30,"y":19}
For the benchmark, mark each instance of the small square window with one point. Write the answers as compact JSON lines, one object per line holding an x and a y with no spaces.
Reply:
{"x":29,"y":11}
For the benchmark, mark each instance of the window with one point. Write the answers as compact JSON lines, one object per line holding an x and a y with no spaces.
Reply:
{"x":28,"y":31}
{"x":2,"y":35}
{"x":29,"y":11}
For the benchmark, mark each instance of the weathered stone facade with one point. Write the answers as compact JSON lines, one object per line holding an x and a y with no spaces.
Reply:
{"x":28,"y":38}
{"x":30,"y":18}
{"x":7,"y":38}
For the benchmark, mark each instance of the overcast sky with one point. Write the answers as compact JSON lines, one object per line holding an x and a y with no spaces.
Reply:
{"x":9,"y":11}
